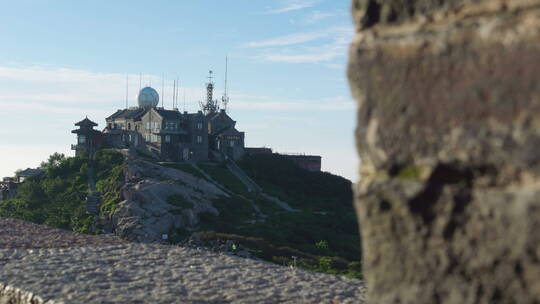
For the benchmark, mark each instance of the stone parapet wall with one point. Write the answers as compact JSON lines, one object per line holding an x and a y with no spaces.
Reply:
{"x":448,"y":130}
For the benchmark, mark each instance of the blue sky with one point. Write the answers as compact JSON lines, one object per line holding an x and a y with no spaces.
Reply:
{"x":63,"y":60}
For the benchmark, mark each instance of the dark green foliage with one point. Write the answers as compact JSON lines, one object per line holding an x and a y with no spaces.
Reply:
{"x":277,"y":174}
{"x":109,"y":170}
{"x":109,"y":187}
{"x":233,"y":212}
{"x":57,"y":197}
{"x":222,"y":175}
{"x":324,"y":199}
{"x":179,"y":201}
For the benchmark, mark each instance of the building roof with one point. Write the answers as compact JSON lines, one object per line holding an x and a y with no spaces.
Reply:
{"x":229,"y":130}
{"x":29,"y":172}
{"x":220,"y":114}
{"x":169,"y":114}
{"x":132,"y":113}
{"x":86,"y":122}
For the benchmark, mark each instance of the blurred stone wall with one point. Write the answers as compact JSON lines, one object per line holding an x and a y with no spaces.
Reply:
{"x":449,"y":137}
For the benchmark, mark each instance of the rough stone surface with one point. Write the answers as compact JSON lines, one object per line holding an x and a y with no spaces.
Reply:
{"x":448,"y":130}
{"x":144,"y":215}
{"x":139,"y":273}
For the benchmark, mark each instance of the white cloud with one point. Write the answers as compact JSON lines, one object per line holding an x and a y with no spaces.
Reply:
{"x":331,"y":43}
{"x":338,"y":103}
{"x":68,"y":90}
{"x":292,"y":6}
{"x":317,"y":16}
{"x":288,"y":39}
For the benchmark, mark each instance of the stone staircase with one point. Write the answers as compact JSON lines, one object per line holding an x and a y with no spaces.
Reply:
{"x":94,"y":197}
{"x":242,"y":176}
{"x":92,"y":203}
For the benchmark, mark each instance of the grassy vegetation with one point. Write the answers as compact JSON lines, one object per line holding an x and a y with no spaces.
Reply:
{"x":56,"y":198}
{"x":323,"y":235}
{"x":288,"y":256}
{"x":186,"y":168}
{"x":234,"y":212}
{"x":109,"y":166}
{"x":222,"y":175}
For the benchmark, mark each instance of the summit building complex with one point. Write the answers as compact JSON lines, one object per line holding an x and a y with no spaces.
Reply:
{"x":170,"y":135}
{"x":173,"y":136}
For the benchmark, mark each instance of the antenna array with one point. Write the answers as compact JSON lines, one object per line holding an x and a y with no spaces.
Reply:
{"x":225,"y":97}
{"x":211,"y":105}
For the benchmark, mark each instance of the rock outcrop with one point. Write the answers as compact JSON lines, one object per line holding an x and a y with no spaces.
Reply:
{"x":448,"y":127}
{"x":145,"y":213}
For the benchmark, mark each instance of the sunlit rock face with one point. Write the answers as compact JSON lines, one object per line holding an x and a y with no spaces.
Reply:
{"x":448,"y":133}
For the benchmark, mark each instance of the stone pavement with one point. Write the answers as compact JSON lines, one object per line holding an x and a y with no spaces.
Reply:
{"x":143,"y":273}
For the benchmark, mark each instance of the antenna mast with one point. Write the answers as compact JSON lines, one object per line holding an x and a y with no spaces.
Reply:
{"x":163,"y":90}
{"x":174,"y":92}
{"x":225,"y":97}
{"x":211,"y":105}
{"x":177,"y":89}
{"x":127,"y":89}
{"x":184,"y":99}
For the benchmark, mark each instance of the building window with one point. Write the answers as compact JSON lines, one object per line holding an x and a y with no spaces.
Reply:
{"x":147,"y":125}
{"x":199,"y":125}
{"x":147,"y":137}
{"x":110,"y":125}
{"x":154,"y":138}
{"x":170,"y":125}
{"x":82,"y":139}
{"x":231,"y":143}
{"x":199,"y":139}
{"x":167,"y":139}
{"x":129,"y":126}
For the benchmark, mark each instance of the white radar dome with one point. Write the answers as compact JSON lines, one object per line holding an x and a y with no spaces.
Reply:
{"x":148,"y":98}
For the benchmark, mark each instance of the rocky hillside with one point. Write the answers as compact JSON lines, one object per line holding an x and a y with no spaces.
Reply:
{"x":265,"y":207}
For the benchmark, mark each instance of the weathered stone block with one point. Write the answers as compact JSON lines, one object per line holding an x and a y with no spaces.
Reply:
{"x":448,"y":125}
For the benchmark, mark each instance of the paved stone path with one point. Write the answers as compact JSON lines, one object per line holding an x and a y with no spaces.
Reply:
{"x":138,"y":273}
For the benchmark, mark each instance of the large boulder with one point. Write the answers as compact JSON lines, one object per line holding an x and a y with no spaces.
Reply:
{"x":146,"y":212}
{"x":448,"y":127}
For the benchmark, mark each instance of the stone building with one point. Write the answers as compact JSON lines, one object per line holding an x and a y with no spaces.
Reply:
{"x":169,"y":135}
{"x":8,"y":188}
{"x":9,"y":185}
{"x":223,"y":135}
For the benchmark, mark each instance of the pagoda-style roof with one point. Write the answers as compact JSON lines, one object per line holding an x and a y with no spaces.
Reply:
{"x":86,"y":123}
